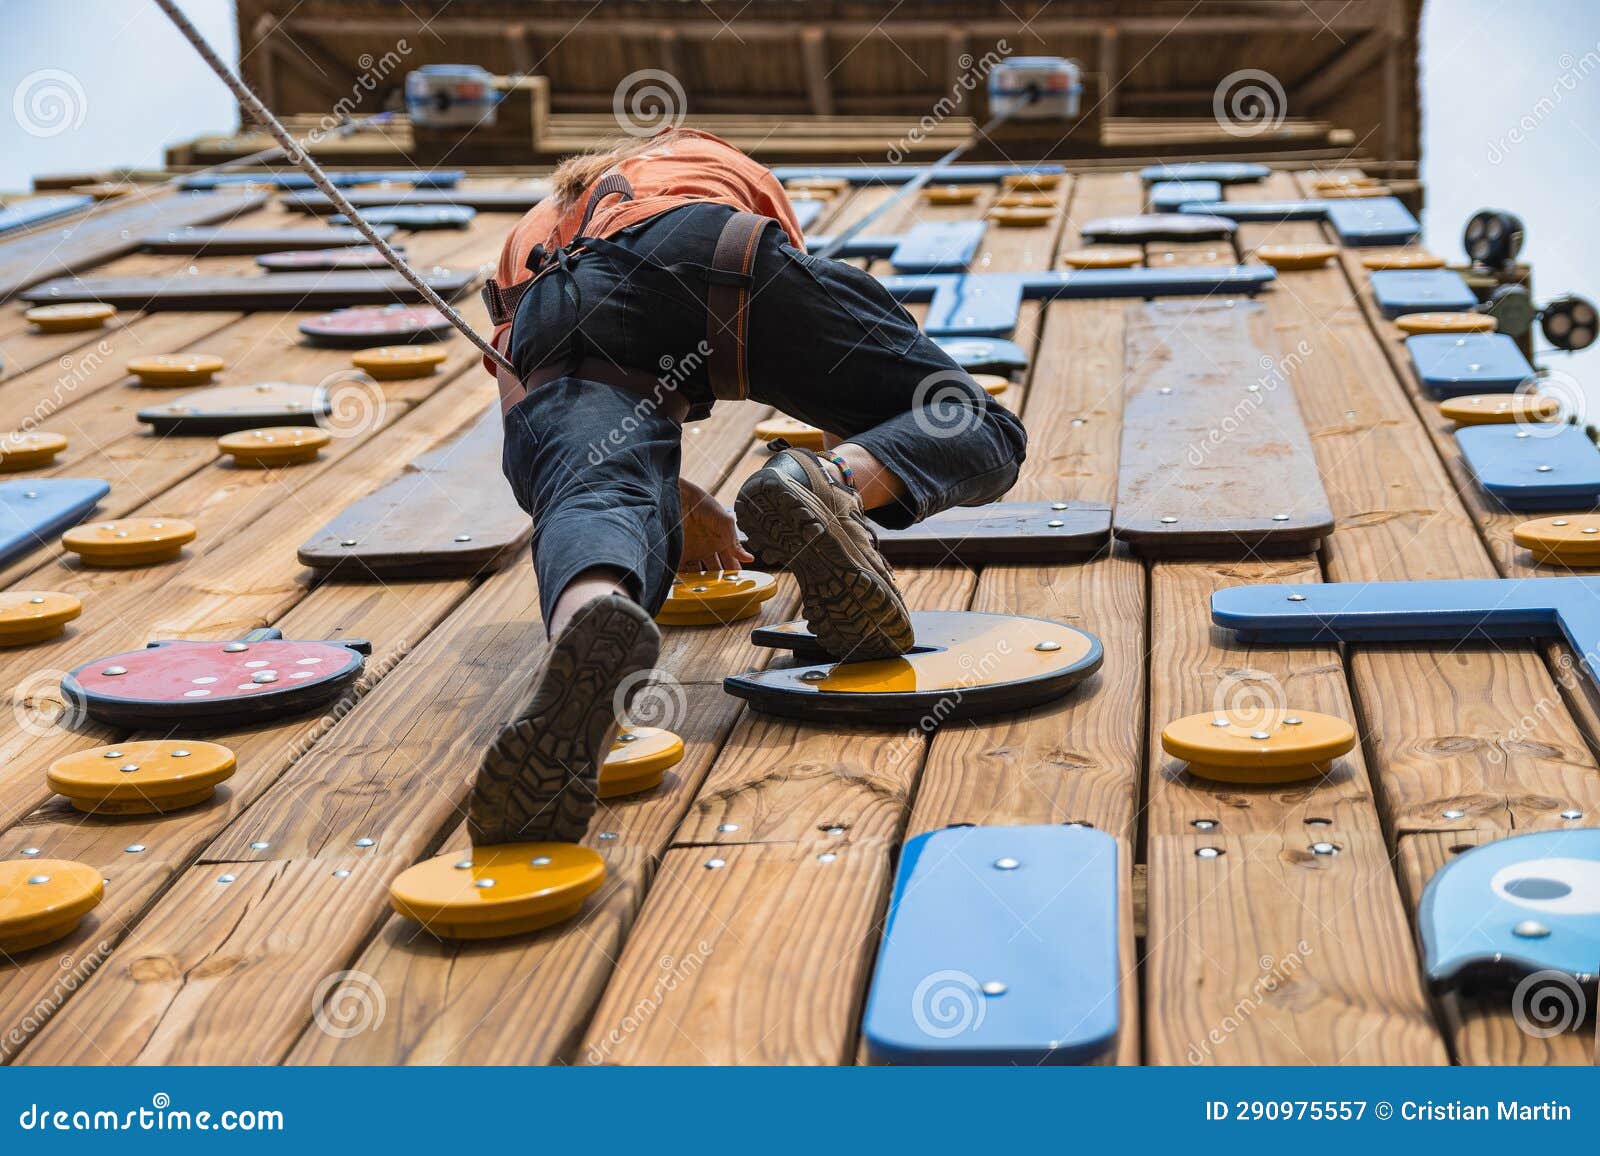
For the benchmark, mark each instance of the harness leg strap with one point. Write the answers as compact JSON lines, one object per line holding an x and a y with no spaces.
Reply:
{"x":727,"y":304}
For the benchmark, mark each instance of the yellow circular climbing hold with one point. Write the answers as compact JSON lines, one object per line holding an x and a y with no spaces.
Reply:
{"x":499,"y":890}
{"x":952,"y":194}
{"x":397,"y":362}
{"x":28,"y":616}
{"x":1500,"y":409}
{"x":796,"y":433}
{"x":42,"y":900}
{"x":826,"y":186}
{"x":1025,"y":201}
{"x":176,"y":368}
{"x":1354,"y":192}
{"x":1310,"y":255}
{"x":1445,"y":323}
{"x":639,"y":758}
{"x":993,"y":384}
{"x":1279,"y":746}
{"x":717,"y":598}
{"x":28,"y":451}
{"x":1343,"y":181}
{"x":1567,"y":539}
{"x":70,"y":317}
{"x":1104,"y":257}
{"x":283,"y":445}
{"x":1402,"y":259}
{"x":149,"y":776}
{"x":129,"y":541}
{"x":1021,"y":218}
{"x":1030,"y":182}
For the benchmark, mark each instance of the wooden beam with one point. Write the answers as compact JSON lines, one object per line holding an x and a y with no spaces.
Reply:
{"x":1347,"y":64}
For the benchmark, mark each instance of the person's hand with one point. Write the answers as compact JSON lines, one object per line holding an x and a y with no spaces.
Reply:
{"x":710,"y":537}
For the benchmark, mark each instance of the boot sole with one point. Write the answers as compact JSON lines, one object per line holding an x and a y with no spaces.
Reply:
{"x":538,"y":779}
{"x":855,"y":612}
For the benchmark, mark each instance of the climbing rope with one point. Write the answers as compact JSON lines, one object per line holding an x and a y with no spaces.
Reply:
{"x":293,"y":151}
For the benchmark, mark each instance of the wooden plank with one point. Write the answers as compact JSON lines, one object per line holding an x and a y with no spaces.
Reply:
{"x":276,"y":291}
{"x":472,"y":195}
{"x":110,"y":230}
{"x":234,"y":241}
{"x":1003,"y":531}
{"x":1215,"y":459}
{"x":449,"y":514}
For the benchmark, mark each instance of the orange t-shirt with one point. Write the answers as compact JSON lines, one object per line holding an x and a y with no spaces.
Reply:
{"x":693,"y":166}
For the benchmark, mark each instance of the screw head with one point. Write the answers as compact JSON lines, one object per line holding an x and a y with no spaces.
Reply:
{"x":1168,"y":520}
{"x":463,"y":864}
{"x":113,"y":671}
{"x":236,"y":648}
{"x":826,"y":857}
{"x":1048,"y":646}
{"x":1297,"y":598}
{"x":38,"y":879}
{"x":994,"y":987}
{"x":1220,"y":722}
{"x":260,"y":845}
{"x":133,"y":848}
{"x":342,"y":873}
{"x":1280,"y":517}
{"x":608,"y":835}
{"x":1571,"y":813}
{"x":1203,"y":824}
{"x":366,"y":842}
{"x":31,"y":852}
{"x":462,"y":538}
{"x":483,"y":884}
{"x":226,"y":878}
{"x":727,"y":828}
{"x":1209,"y":852}
{"x":1260,"y":736}
{"x":182,"y":753}
{"x":714,"y":864}
{"x":1324,"y":849}
{"x":539,"y":861}
{"x":128,"y":768}
{"x":1453,"y":813}
{"x":1006,"y":864}
{"x":1293,"y":720}
{"x":1530,"y":929}
{"x":814,"y":676}
{"x":1055,"y":523}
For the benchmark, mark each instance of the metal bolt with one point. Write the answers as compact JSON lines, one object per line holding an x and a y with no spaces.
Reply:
{"x":263,"y":677}
{"x":128,"y":768}
{"x":113,"y":671}
{"x":260,"y":845}
{"x":1293,"y":720}
{"x":1260,"y":736}
{"x":1220,"y":722}
{"x":30,"y":852}
{"x":826,"y":857}
{"x":463,"y":538}
{"x":1006,"y":864}
{"x":994,"y":987}
{"x":1559,"y":522}
{"x":1297,"y":598}
{"x":1168,"y":520}
{"x":347,"y":542}
{"x":728,"y":828}
{"x":342,"y":873}
{"x":1280,"y":517}
{"x":112,"y":755}
{"x":1319,"y":822}
{"x":1530,"y":929}
{"x":1048,"y":646}
{"x":38,"y":879}
{"x":235,"y":647}
{"x":366,"y":842}
{"x":1543,"y":469}
{"x":134,"y":848}
{"x":1055,"y":523}
{"x":1324,"y":849}
{"x":181,"y":753}
{"x":608,"y":834}
{"x":1059,"y":506}
{"x":814,"y":676}
{"x":226,"y":878}
{"x":539,"y":861}
{"x":1209,"y":852}
{"x":1203,"y":824}
{"x":1571,"y":813}
{"x":713,"y":864}
{"x":1453,"y":813}
{"x":628,"y":737}
{"x":833,"y":830}
{"x":483,"y":884}
{"x":463,"y":865}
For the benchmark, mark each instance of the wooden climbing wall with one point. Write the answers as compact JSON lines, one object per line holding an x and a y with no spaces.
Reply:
{"x":1264,"y":954}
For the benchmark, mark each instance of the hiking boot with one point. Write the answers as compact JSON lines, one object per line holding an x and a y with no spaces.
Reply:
{"x":538,"y":779}
{"x":795,"y":515}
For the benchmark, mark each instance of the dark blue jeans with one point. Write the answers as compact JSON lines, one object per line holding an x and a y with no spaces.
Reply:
{"x":597,"y":464}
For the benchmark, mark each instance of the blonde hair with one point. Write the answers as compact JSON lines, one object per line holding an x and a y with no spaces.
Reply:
{"x":574,"y":175}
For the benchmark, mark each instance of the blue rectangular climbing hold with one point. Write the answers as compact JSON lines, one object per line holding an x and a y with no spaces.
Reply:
{"x":1169,"y":196}
{"x":1222,"y":172}
{"x":33,"y":511}
{"x":1359,"y":221}
{"x":39,"y":210}
{"x":988,"y":304}
{"x":929,"y":247}
{"x":1402,"y":291}
{"x":807,"y":213}
{"x":1459,"y":364}
{"x":1451,"y":610}
{"x":1552,"y":467}
{"x":984,"y":354}
{"x":1000,"y":947}
{"x":900,"y":174}
{"x":1372,"y":221}
{"x":294,"y":179}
